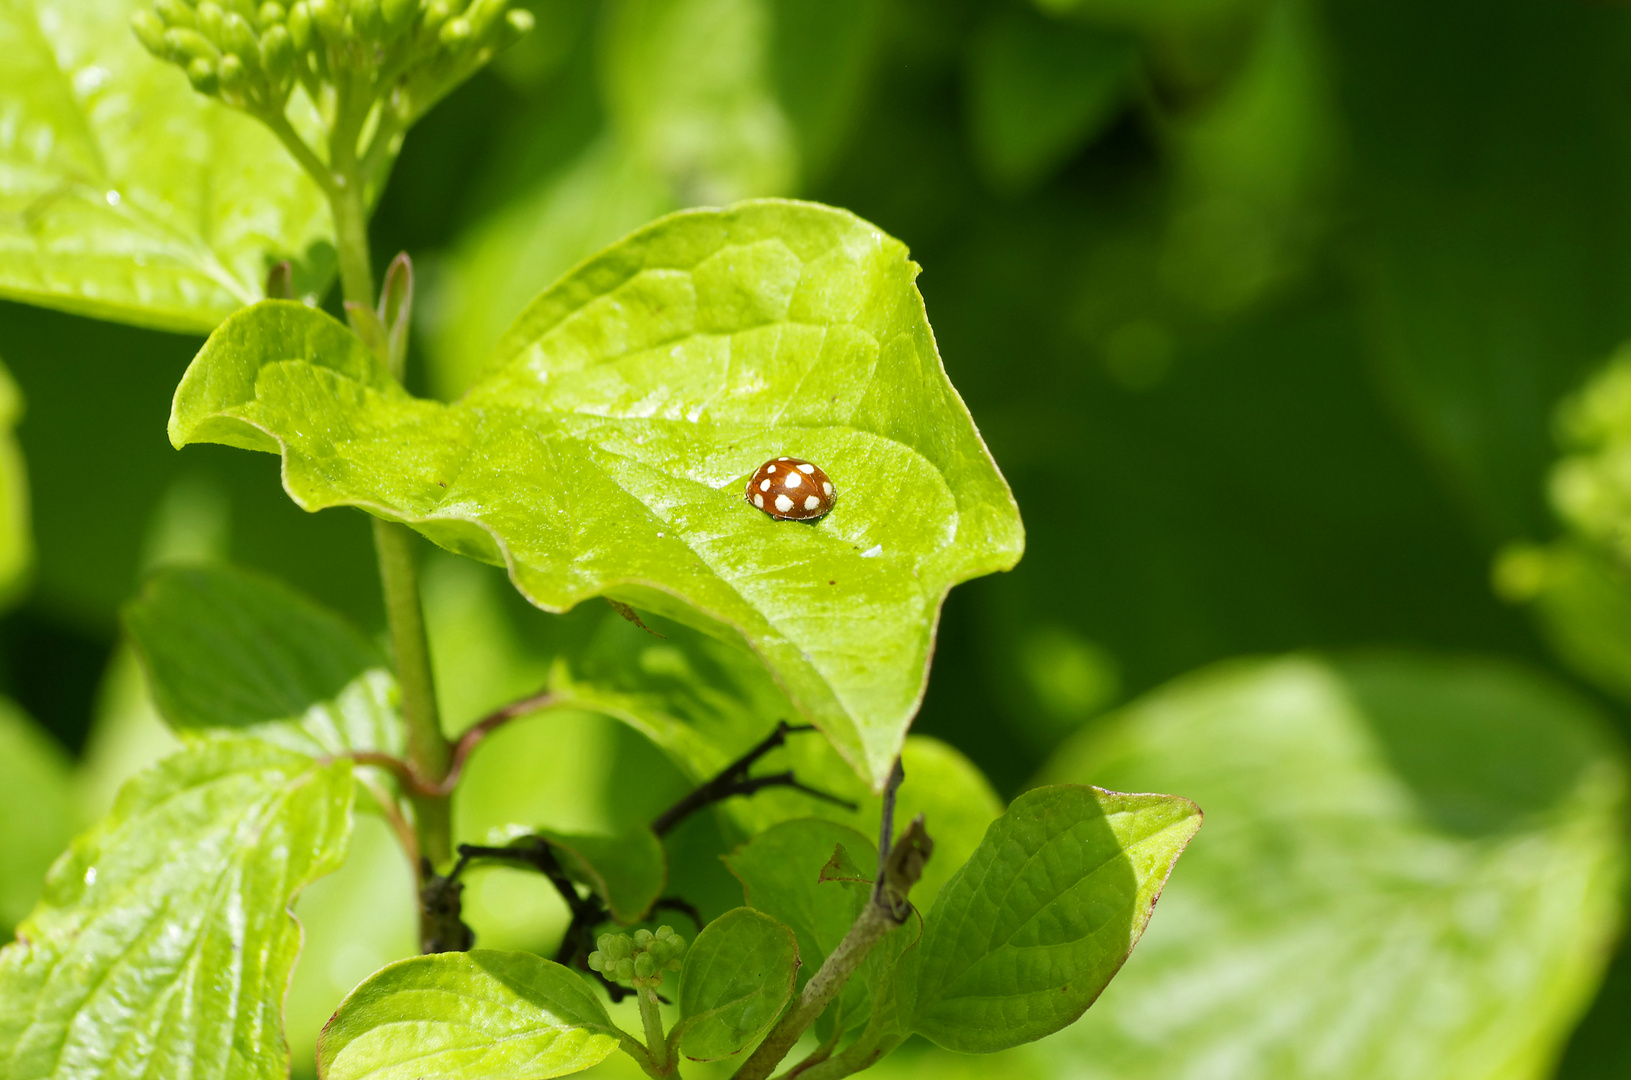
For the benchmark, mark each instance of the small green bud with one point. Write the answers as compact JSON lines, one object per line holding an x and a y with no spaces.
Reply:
{"x":149,"y":30}
{"x":277,"y":52}
{"x":201,"y":73}
{"x":231,"y":73}
{"x":176,"y":14}
{"x":186,"y":46}
{"x":518,"y":22}
{"x":483,"y":15}
{"x":210,"y":17}
{"x":270,"y":14}
{"x":238,"y":38}
{"x":643,"y":937}
{"x":597,"y":961}
{"x":300,"y":27}
{"x":645,"y":966}
{"x":625,"y":971}
{"x":328,"y":18}
{"x":455,"y":34}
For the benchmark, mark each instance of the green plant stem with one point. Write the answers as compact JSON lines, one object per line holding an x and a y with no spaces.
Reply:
{"x":428,"y":749}
{"x":869,"y":928}
{"x":656,"y":1042}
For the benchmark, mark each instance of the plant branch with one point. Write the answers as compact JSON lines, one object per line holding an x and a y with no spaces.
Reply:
{"x":656,"y":1042}
{"x":734,"y":780}
{"x":900,"y":865}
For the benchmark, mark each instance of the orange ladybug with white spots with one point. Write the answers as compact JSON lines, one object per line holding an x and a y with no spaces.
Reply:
{"x":791,"y":490}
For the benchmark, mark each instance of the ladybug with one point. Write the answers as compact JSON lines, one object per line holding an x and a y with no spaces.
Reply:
{"x":791,"y":490}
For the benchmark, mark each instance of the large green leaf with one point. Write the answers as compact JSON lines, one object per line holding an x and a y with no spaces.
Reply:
{"x":164,"y":943}
{"x":225,"y":649}
{"x":462,"y":1016}
{"x":1034,"y":926}
{"x":737,"y":976}
{"x":1411,"y":867}
{"x":124,"y":194}
{"x":605,"y":451}
{"x":36,"y":811}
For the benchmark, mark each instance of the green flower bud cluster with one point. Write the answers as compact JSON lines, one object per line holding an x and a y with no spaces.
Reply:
{"x":251,"y":54}
{"x":639,"y":960}
{"x":236,"y":50}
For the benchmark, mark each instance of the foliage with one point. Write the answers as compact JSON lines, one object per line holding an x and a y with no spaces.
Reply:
{"x":1265,"y":307}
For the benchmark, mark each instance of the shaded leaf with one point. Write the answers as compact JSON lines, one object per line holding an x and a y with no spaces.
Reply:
{"x":1023,"y":939}
{"x":1582,"y":600}
{"x":487,"y":1014}
{"x":36,"y":811}
{"x":1039,"y":90}
{"x":1411,"y":866}
{"x":226,"y":649}
{"x":163,"y":945}
{"x":605,"y":450}
{"x":737,"y":976}
{"x":125,"y":195}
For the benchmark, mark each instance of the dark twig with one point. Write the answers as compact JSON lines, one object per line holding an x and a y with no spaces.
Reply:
{"x":886,"y":838}
{"x":734,"y":780}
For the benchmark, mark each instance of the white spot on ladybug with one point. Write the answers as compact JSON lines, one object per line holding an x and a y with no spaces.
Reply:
{"x":784,"y":459}
{"x":783,"y":503}
{"x":793,"y":480}
{"x":764,"y":485}
{"x":770,"y":468}
{"x":826,"y":487}
{"x":806,"y":468}
{"x":759,"y":501}
{"x":811,"y":502}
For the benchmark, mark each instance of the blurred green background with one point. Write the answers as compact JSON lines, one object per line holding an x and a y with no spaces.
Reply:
{"x":1266,"y":308}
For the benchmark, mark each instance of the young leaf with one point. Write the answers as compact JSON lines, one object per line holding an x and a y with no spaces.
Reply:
{"x":226,"y":649}
{"x":462,"y":1016}
{"x":606,"y":449}
{"x":1032,"y":928}
{"x":164,"y":943}
{"x":737,"y":976}
{"x":628,"y":872}
{"x":1417,"y":873}
{"x":36,"y":811}
{"x":125,"y":195}
{"x":785,"y":873}
{"x":781,"y":870}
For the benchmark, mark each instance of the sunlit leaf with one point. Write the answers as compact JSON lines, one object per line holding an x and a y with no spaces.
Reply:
{"x":1026,"y":935}
{"x":36,"y":811}
{"x":163,"y":944}
{"x":1410,"y":867}
{"x":481,"y":1014}
{"x":737,"y":976}
{"x":226,"y":649}
{"x":605,"y":451}
{"x":125,"y":195}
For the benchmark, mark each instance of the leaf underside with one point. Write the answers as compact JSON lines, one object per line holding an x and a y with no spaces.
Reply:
{"x":123,"y":193}
{"x":606,"y":450}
